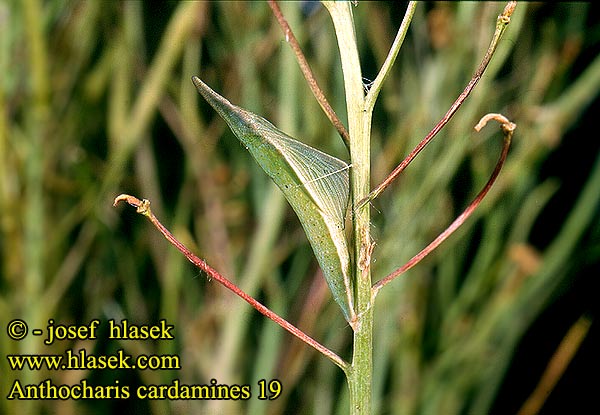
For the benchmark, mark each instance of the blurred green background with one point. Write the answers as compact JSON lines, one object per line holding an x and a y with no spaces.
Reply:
{"x":96,"y":100}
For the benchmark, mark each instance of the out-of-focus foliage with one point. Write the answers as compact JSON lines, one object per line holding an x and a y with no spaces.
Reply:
{"x":96,"y":99}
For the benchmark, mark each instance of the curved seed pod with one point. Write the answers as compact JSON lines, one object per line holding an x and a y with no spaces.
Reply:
{"x":315,"y":184}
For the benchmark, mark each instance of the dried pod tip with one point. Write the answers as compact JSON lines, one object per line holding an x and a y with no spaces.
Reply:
{"x":142,"y":206}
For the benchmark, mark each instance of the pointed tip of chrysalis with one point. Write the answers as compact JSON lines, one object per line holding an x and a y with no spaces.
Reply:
{"x":197,"y":82}
{"x":204,"y":89}
{"x":221,"y":104}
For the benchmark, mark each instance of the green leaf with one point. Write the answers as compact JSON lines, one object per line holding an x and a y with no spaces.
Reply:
{"x":315,"y":184}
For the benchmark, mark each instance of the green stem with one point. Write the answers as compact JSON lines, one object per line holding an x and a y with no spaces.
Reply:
{"x":501,"y":25}
{"x":391,"y":57}
{"x":556,"y":116}
{"x":359,"y":123}
{"x":33,"y":227}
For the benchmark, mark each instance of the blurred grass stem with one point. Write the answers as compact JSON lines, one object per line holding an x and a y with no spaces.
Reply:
{"x":34,"y":223}
{"x":558,"y":364}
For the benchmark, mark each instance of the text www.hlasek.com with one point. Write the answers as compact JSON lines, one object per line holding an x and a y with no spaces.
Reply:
{"x":84,"y":361}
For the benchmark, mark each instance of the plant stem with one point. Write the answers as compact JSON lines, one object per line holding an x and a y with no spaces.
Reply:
{"x":359,"y":123}
{"x":307,"y":72}
{"x":508,"y":129}
{"x":33,"y":225}
{"x":391,"y":57}
{"x":556,"y":367}
{"x":501,"y":25}
{"x":143,"y":208}
{"x":144,"y":107}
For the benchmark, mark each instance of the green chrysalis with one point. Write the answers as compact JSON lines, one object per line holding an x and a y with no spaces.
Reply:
{"x":315,"y":184}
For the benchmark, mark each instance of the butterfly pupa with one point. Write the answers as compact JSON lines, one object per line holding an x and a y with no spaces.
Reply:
{"x":314,"y":183}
